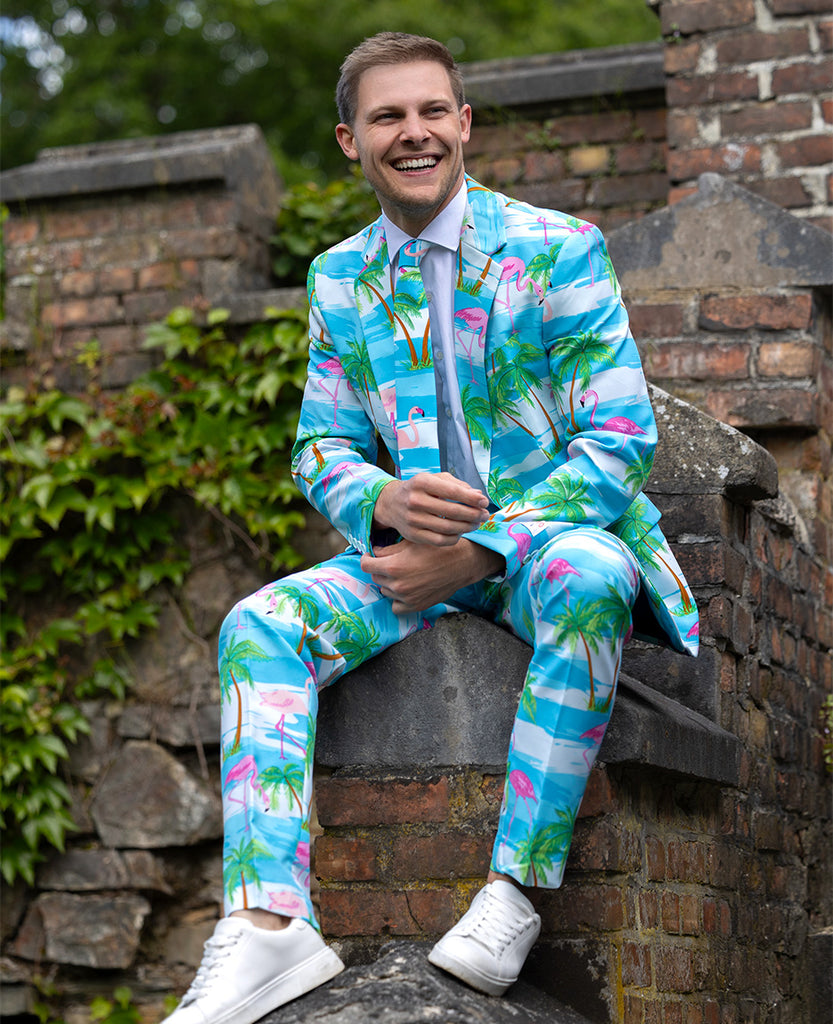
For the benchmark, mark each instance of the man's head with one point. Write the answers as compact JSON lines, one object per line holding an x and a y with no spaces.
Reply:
{"x":404,"y":119}
{"x":391,"y":48}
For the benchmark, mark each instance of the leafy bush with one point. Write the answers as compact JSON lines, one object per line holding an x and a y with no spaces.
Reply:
{"x":91,"y":491}
{"x":314,"y":218}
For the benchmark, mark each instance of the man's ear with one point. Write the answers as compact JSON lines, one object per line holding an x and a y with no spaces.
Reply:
{"x":347,"y":140}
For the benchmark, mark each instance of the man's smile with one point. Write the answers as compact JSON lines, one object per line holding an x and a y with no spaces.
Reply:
{"x":415,"y":163}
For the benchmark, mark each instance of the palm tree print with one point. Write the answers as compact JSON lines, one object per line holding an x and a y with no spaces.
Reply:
{"x":580,"y":623}
{"x":586,"y":350}
{"x":632,"y":528}
{"x":289,"y":776}
{"x":234,"y":672}
{"x":513,"y":375}
{"x":239,"y":867}
{"x":563,"y":498}
{"x":476,"y":411}
{"x":357,"y":636}
{"x":358,"y":366}
{"x":615,"y":611}
{"x":639,"y":471}
{"x":542,"y":848}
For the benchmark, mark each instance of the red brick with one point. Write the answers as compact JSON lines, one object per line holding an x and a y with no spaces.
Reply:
{"x":767,"y":118}
{"x":543,"y":166}
{"x":649,"y":187}
{"x":605,"y":846}
{"x":636,"y":964}
{"x":159,"y":275}
{"x":650,"y":124}
{"x":599,"y":796}
{"x":746,"y":47}
{"x":670,"y":913}
{"x":597,"y":906}
{"x":81,"y":223}
{"x":445,"y":855}
{"x":690,"y":914}
{"x":585,"y":129}
{"x":673,"y":969}
{"x":825,"y":29}
{"x":656,"y":320}
{"x":806,"y":152}
{"x":362,"y":802}
{"x":698,"y":361}
{"x":639,"y":156}
{"x":681,"y":56}
{"x":102,"y":310}
{"x":827,"y":110}
{"x":788,"y":192}
{"x":20,"y":231}
{"x":800,"y":6}
{"x":683,"y":128}
{"x":78,"y":282}
{"x":731,"y":86}
{"x":705,"y":15}
{"x":809,"y":76}
{"x":730,"y":158}
{"x":648,"y":909}
{"x":766,"y":312}
{"x":345,"y":860}
{"x":655,"y":856}
{"x":116,"y":279}
{"x":786,"y":359}
{"x":366,"y":912}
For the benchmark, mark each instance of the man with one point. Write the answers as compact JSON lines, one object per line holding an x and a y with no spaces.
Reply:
{"x":485,"y":342}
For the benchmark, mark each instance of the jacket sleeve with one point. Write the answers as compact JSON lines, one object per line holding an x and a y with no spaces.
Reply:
{"x":600,"y":397}
{"x":334,"y":455}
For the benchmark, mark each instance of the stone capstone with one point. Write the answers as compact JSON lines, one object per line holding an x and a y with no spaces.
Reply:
{"x":147,"y":799}
{"x":102,"y":932}
{"x":401,"y":987}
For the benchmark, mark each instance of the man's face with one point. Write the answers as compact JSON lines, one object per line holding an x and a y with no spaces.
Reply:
{"x":408,"y":135}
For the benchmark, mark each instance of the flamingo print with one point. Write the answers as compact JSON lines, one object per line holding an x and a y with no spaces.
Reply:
{"x":618,"y":424}
{"x":245,"y":771}
{"x":595,"y":735}
{"x":583,"y":230}
{"x":476,"y":320}
{"x":522,"y":542}
{"x":524,"y":790}
{"x":557,"y":570}
{"x":515,"y":267}
{"x":288,"y":702}
{"x":286,"y":903}
{"x":402,"y":439}
{"x":333,"y":368}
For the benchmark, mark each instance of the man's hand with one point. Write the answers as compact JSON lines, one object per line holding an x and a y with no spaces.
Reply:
{"x":417,"y":576}
{"x":431,"y":508}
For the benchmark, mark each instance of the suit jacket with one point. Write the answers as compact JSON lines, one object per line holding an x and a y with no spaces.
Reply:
{"x":555,"y":400}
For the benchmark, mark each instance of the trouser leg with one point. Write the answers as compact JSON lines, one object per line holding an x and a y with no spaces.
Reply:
{"x":573,"y":603}
{"x":277,"y":649}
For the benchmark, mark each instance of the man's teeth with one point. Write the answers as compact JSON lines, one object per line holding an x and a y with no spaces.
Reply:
{"x":416,"y":164}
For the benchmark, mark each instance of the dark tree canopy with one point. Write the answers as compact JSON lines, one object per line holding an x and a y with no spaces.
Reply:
{"x":78,"y":71}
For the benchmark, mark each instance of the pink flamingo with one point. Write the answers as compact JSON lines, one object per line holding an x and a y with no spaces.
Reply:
{"x":332,"y":367}
{"x":476,"y":320}
{"x":301,"y":863}
{"x":618,"y":424}
{"x":288,"y":702}
{"x":515,"y":267}
{"x":584,"y":230}
{"x":545,"y":224}
{"x":524,"y":790}
{"x":595,"y":735}
{"x":342,"y":469}
{"x":557,"y":570}
{"x":522,"y":542}
{"x":402,"y":439}
{"x":343,"y":579}
{"x":286,"y":903}
{"x":245,"y":771}
{"x":694,"y":631}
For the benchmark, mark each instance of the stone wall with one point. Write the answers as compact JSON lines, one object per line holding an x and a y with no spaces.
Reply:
{"x":699,"y":885}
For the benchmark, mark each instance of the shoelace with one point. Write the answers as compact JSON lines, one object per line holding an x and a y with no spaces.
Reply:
{"x":496,"y":926}
{"x":217,"y":948}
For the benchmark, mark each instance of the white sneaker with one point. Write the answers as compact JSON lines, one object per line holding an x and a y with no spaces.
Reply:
{"x":247,"y":971}
{"x":489,"y":944}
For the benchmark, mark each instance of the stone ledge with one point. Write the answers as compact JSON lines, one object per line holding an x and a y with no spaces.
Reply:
{"x":236,"y":157}
{"x":403,"y":988}
{"x":434,"y":719}
{"x":612,"y":70}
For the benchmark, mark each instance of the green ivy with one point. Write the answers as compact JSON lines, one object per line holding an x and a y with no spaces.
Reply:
{"x":313,"y":218}
{"x":95,"y":492}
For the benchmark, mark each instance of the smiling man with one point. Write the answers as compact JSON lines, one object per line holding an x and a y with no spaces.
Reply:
{"x":480,"y":339}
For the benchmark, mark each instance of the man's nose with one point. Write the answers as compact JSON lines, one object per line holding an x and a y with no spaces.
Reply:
{"x":414,"y":129}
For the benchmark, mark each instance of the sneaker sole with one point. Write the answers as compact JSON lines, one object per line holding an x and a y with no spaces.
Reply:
{"x":470,"y":975}
{"x":304,"y":977}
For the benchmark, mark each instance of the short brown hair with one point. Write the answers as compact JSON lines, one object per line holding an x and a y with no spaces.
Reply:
{"x":391,"y":48}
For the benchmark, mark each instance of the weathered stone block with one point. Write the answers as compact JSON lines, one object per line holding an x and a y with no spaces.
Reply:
{"x":147,"y":799}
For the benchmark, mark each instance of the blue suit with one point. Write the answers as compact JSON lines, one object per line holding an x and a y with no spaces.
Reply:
{"x":562,"y":436}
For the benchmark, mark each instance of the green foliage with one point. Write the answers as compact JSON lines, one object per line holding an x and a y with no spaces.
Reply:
{"x":118,"y":1010}
{"x":86,"y":71}
{"x":95,"y":496}
{"x":314,"y":218}
{"x":827,"y":730}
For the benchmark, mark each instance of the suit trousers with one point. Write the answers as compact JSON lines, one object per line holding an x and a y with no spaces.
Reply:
{"x":571,"y":601}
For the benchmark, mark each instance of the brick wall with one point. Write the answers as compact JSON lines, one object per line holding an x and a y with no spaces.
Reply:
{"x":748,"y":94}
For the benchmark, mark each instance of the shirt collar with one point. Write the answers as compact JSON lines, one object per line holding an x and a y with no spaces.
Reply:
{"x":444,"y":230}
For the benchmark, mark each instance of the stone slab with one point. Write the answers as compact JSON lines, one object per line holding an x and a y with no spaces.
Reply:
{"x":401,"y":987}
{"x":450,"y":696}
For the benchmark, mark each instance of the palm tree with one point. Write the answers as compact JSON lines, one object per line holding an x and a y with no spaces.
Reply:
{"x":632,"y":528}
{"x":277,"y":777}
{"x":234,"y":671}
{"x":543,"y":847}
{"x":639,"y":471}
{"x":476,"y":410}
{"x":358,"y":365}
{"x":239,"y":867}
{"x":586,"y":349}
{"x":357,"y":636}
{"x":580,"y":622}
{"x":503,"y":489}
{"x":515,"y":376}
{"x":564,"y":497}
{"x":615,"y":611}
